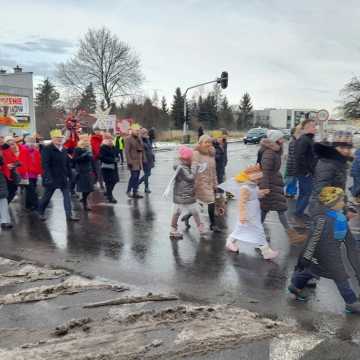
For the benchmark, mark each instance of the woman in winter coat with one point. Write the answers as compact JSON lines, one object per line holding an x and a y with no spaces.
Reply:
{"x":204,"y":167}
{"x":269,"y":158}
{"x":12,"y":163}
{"x":4,"y":206}
{"x":30,"y":170}
{"x":109,"y":167}
{"x":148,"y":159}
{"x":85,"y":169}
{"x":332,"y":166}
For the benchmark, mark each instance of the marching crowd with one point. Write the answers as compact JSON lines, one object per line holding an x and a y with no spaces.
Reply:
{"x":316,"y":175}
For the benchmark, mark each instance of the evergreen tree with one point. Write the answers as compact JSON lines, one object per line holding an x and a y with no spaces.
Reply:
{"x":245,"y":114}
{"x":226,"y":116}
{"x":164,"y":106}
{"x":88,"y":100}
{"x":177,"y":110}
{"x":46,"y":97}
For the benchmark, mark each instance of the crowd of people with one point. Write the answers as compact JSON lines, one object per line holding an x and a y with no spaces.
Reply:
{"x":315,"y":176}
{"x":24,"y":161}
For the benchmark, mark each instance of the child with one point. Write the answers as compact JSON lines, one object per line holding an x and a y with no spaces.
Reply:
{"x":184,"y":193}
{"x":249,"y":228}
{"x":322,"y":254}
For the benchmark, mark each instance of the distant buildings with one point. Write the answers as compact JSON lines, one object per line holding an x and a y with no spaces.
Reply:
{"x":17,"y":102}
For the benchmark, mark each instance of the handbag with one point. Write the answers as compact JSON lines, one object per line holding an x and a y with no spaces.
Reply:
{"x":108,"y":166}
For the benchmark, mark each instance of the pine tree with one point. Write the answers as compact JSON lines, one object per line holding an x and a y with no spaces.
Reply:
{"x":177,"y":110}
{"x":88,"y":100}
{"x":245,"y":114}
{"x":46,"y":97}
{"x":164,"y":106}
{"x":226,"y":116}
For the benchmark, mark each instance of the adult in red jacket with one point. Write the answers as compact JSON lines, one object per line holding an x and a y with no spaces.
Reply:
{"x":30,"y":170}
{"x":96,"y":141}
{"x":11,"y":164}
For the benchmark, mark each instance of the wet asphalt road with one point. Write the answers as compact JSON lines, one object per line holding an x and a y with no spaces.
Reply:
{"x":129,"y":242}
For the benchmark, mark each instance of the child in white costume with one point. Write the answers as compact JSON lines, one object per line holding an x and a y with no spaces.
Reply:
{"x":249,"y":228}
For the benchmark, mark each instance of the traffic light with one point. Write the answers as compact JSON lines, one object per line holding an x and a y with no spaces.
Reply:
{"x":224,"y":78}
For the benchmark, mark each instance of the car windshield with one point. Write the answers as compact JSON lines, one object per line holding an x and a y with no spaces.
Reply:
{"x":256,"y":132}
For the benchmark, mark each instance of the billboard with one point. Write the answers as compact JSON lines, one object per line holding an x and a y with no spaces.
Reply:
{"x":14,"y":111}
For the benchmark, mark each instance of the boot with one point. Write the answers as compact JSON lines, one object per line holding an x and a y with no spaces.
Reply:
{"x":295,"y":237}
{"x":268,"y":253}
{"x":300,"y":295}
{"x":353,"y":308}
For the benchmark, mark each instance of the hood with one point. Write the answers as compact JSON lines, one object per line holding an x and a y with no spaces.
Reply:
{"x":209,"y":152}
{"x":325,"y":151}
{"x":268,"y":144}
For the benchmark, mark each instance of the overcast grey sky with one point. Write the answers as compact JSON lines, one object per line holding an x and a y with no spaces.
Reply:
{"x":284,"y":53}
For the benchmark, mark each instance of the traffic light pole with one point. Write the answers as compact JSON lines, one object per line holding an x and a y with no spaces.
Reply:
{"x":185,"y":126}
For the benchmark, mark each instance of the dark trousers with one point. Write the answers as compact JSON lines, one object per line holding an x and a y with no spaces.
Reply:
{"x":31,"y":196}
{"x":49,"y":192}
{"x":301,"y":278}
{"x":145,"y":178}
{"x":109,"y":186}
{"x":121,"y":156}
{"x":305,"y":189}
{"x":12,"y":189}
{"x":133,"y":181}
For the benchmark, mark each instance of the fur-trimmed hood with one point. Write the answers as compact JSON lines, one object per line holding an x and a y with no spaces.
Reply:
{"x":210,"y":152}
{"x":326,"y":151}
{"x":268,"y":144}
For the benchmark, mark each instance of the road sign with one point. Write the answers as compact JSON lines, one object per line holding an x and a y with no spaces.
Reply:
{"x":323,"y":115}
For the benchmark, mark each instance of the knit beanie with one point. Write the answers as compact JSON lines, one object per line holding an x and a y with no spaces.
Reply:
{"x":330,"y":195}
{"x":185,"y":152}
{"x":275,"y":135}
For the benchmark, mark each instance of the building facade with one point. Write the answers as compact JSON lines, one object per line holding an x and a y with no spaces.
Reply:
{"x":17,"y":112}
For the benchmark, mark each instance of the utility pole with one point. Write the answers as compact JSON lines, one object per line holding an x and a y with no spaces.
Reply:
{"x":222,"y":80}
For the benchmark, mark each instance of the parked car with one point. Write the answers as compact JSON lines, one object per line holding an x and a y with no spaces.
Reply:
{"x":254,"y":136}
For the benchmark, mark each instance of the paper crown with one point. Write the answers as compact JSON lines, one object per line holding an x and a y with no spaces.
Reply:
{"x":216,"y":134}
{"x":135,"y":126}
{"x":245,"y":175}
{"x":56,"y":133}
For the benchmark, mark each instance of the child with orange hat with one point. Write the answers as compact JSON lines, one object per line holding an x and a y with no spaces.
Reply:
{"x":249,"y":228}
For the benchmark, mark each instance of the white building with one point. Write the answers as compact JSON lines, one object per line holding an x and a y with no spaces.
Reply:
{"x":279,"y":118}
{"x":17,"y":101}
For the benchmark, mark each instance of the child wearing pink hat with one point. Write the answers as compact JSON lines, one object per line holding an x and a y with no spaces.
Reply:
{"x":184,"y":193}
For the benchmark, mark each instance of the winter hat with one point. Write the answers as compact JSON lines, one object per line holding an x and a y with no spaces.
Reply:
{"x":185,"y":152}
{"x":216,"y":134}
{"x":204,"y":138}
{"x":343,"y":138}
{"x":56,"y":133}
{"x":330,"y":195}
{"x":251,"y":172}
{"x":275,"y":135}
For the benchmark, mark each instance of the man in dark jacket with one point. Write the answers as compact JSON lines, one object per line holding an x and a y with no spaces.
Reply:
{"x":305,"y":166}
{"x":331,"y":168}
{"x":148,"y":159}
{"x":57,"y":172}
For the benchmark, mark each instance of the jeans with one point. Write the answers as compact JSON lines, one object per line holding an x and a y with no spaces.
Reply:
{"x":301,"y":278}
{"x":134,"y":181}
{"x":49,"y":192}
{"x":31,"y":197}
{"x":291,"y":187}
{"x":355,"y":188}
{"x":305,"y":189}
{"x":4,"y":212}
{"x":145,"y":178}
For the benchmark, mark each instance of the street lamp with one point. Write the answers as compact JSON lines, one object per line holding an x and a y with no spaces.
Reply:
{"x":222,"y":80}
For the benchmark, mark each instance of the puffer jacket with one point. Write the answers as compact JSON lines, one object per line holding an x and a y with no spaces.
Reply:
{"x":204,"y":168}
{"x":270,"y":154}
{"x":291,"y":160}
{"x":304,"y":155}
{"x":184,"y":186}
{"x":355,"y":169}
{"x":331,"y":169}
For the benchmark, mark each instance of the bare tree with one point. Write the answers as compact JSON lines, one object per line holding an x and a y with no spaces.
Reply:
{"x":109,"y":63}
{"x":351,"y":93}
